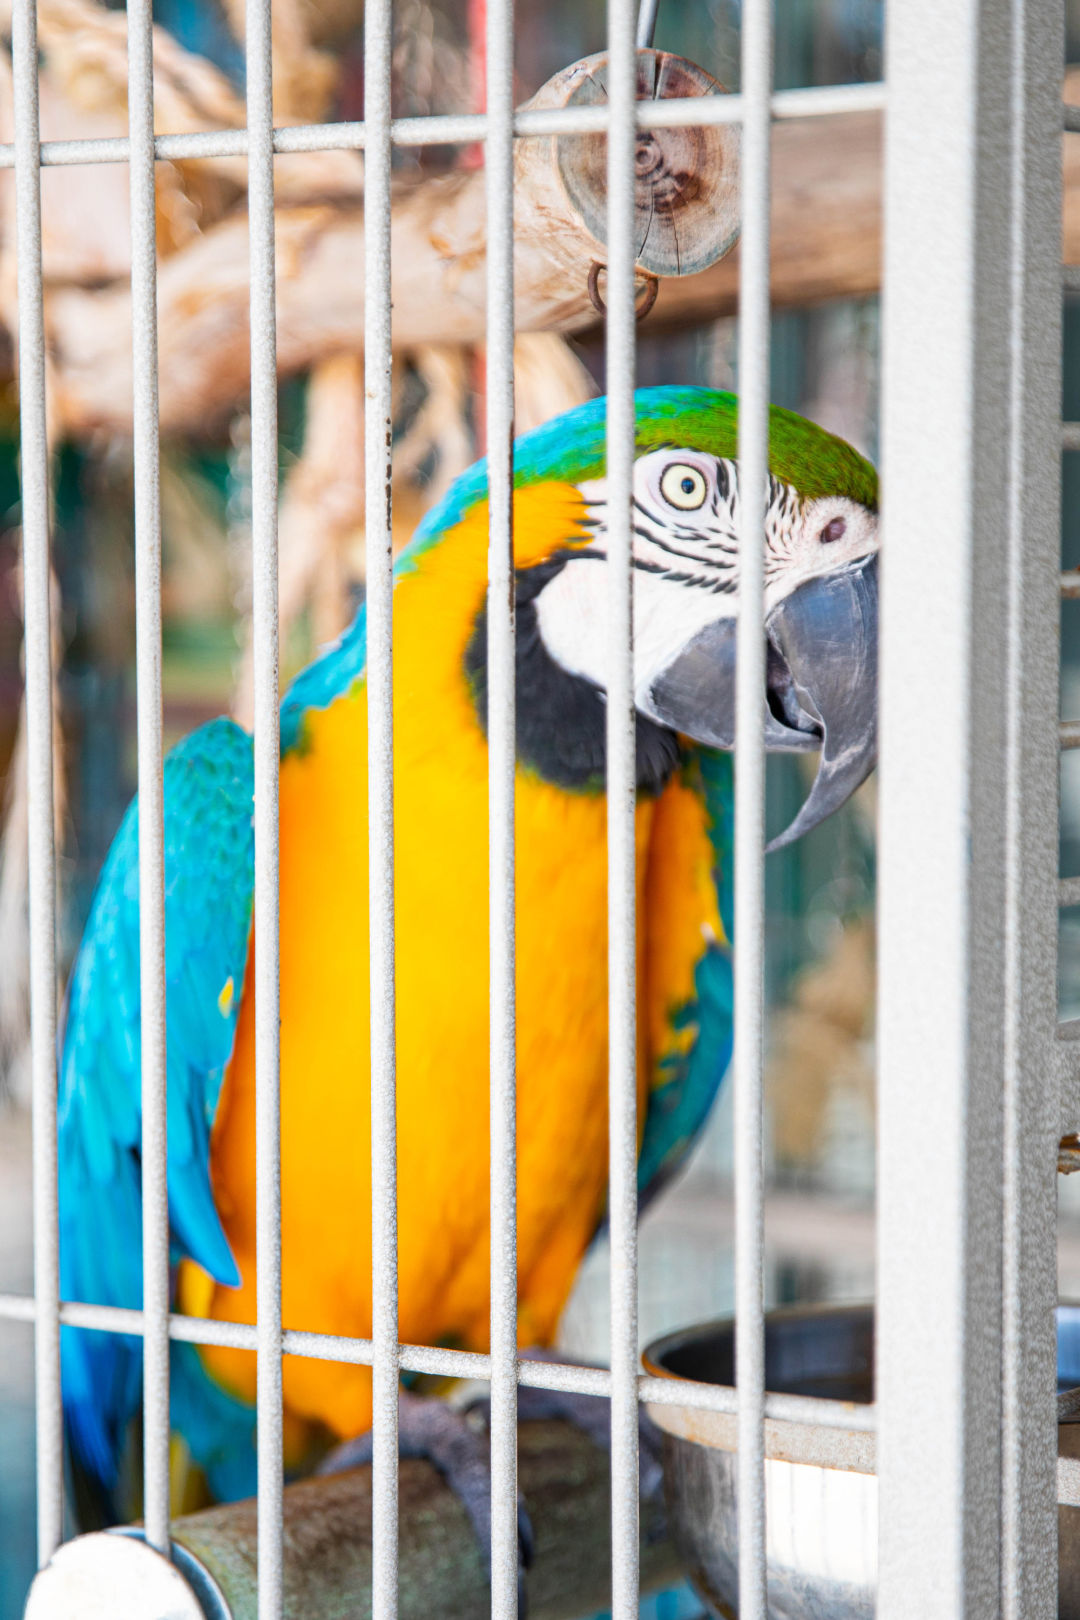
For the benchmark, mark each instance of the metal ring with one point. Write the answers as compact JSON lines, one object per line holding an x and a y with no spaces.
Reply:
{"x":650,"y":283}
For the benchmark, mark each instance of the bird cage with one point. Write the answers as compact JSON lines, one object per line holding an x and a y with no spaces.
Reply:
{"x":978,"y":1080}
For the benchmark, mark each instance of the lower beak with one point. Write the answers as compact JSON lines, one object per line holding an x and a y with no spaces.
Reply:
{"x":825,"y":633}
{"x":821,"y":685}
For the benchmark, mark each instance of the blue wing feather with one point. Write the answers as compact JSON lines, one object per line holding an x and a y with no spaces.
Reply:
{"x":209,"y":856}
{"x":680,"y":1104}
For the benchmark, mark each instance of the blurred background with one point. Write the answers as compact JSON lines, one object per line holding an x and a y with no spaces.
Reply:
{"x":820,"y":893}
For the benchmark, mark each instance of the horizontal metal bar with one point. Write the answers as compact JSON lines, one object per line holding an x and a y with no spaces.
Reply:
{"x":1068,"y":1481}
{"x":1069,"y":892}
{"x":1070,"y":583}
{"x":819,"y":101}
{"x":675,"y":113}
{"x":1070,"y":435}
{"x":1069,"y":734}
{"x":1071,"y":118}
{"x":440,"y":1363}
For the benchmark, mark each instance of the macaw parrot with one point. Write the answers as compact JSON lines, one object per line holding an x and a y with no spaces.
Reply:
{"x":821,"y":598}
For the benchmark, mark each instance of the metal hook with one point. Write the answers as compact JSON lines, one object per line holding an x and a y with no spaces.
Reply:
{"x":646,"y":23}
{"x":650,"y":283}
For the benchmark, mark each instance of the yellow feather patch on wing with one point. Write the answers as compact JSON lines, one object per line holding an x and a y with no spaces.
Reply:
{"x":194,"y":1289}
{"x":681,"y":914}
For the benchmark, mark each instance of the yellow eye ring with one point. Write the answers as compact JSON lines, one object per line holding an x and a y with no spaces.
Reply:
{"x":684,"y":487}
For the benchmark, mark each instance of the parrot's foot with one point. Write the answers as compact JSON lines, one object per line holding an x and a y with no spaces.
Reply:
{"x":457,"y":1444}
{"x":591,"y":1414}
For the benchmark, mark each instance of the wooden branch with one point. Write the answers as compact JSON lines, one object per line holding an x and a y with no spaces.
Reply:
{"x":826,"y":245}
{"x":327,"y":1540}
{"x":826,"y":219}
{"x":687,"y":202}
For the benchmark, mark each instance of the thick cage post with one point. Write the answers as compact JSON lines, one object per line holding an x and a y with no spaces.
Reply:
{"x":966,"y":850}
{"x":1032,"y":1107}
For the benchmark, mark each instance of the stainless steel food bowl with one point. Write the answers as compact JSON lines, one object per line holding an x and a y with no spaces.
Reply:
{"x":820,"y":1489}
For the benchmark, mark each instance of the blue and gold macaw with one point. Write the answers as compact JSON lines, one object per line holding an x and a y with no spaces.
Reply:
{"x":821,"y":596}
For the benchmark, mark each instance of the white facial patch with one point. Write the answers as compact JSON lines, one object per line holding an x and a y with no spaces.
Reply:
{"x":685,"y":549}
{"x":572,"y":615}
{"x":829,"y":532}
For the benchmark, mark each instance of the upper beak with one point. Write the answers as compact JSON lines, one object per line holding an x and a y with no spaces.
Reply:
{"x":826,"y":635}
{"x":821,"y":685}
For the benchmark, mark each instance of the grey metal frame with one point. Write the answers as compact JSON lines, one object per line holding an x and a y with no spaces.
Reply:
{"x":970,"y":1070}
{"x":968,"y":810}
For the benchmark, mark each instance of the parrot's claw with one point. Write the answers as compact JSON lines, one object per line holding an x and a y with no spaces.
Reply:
{"x":457,"y":1445}
{"x":591,"y":1414}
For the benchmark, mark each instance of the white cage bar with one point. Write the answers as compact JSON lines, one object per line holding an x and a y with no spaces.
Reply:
{"x":620,"y":357}
{"x":264,"y":620}
{"x":502,"y":763}
{"x":378,"y":431}
{"x":146,"y":457}
{"x":749,"y":1009}
{"x":34,"y":480}
{"x":970,"y":1068}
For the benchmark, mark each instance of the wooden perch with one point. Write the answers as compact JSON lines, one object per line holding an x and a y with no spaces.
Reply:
{"x":826,"y":244}
{"x":826,"y":218}
{"x":826,"y":223}
{"x":327,"y":1540}
{"x":687,"y":197}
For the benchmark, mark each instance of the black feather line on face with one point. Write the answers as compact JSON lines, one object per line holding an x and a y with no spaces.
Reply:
{"x":561,"y":718}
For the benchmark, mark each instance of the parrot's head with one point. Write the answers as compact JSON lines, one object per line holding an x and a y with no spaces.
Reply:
{"x":821,"y":595}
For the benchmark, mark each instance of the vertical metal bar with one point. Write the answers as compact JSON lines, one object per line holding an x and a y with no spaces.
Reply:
{"x":34,"y":474}
{"x":499,"y":158}
{"x":1031,"y":1110}
{"x":264,"y":608}
{"x":378,"y":432}
{"x":942,"y":821}
{"x":621,"y":785}
{"x":155,"y":1202}
{"x":750,"y":806}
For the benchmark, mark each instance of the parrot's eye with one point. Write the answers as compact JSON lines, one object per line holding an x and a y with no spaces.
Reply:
{"x":833,"y":530}
{"x":684,"y":487}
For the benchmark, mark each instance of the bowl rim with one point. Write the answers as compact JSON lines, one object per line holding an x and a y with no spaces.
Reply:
{"x":652,"y":1353}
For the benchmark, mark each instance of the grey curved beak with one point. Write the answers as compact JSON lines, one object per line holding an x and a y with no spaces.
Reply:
{"x":821,"y":686}
{"x":696,"y":695}
{"x":826,"y":633}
